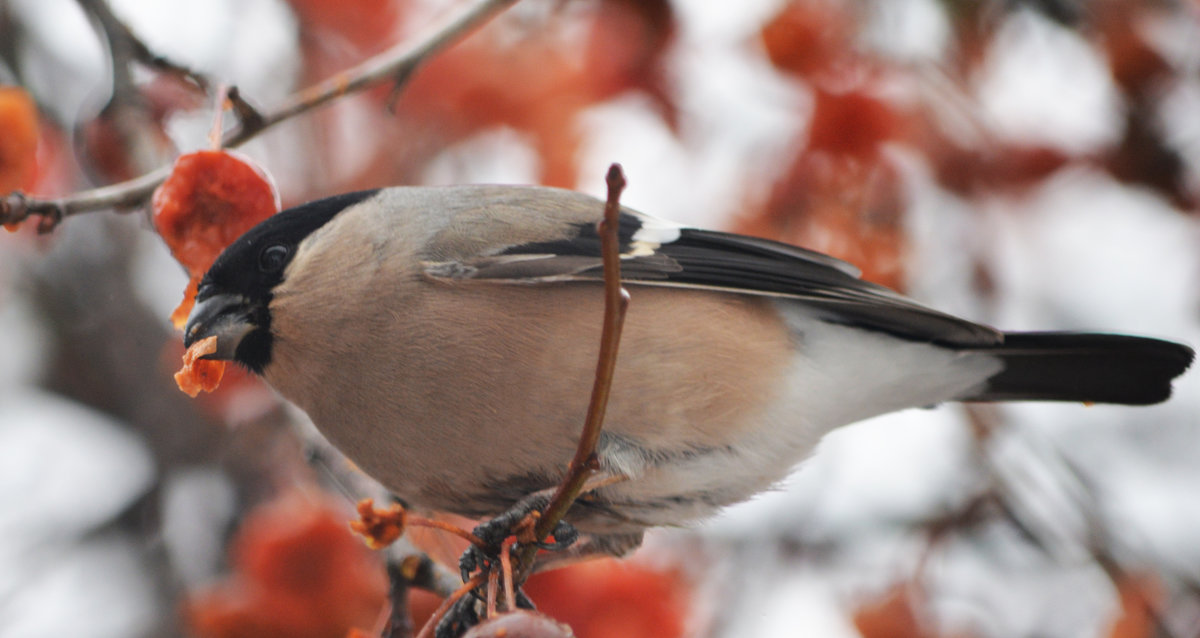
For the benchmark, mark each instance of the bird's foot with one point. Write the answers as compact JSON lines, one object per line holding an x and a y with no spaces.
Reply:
{"x":518,"y":521}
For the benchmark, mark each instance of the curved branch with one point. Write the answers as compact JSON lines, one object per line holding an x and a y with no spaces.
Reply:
{"x":616,"y":303}
{"x":124,"y":196}
{"x":125,"y":46}
{"x":398,"y":63}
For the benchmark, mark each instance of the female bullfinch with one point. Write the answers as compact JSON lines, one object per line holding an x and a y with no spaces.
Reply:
{"x":445,"y":339}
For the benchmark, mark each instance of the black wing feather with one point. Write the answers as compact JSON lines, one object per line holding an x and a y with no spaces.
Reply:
{"x":695,"y":258}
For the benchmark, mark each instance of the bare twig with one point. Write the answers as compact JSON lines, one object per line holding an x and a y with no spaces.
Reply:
{"x":247,"y":114}
{"x":17,"y":207}
{"x":218,"y":123}
{"x":397,"y":63}
{"x":418,"y":521}
{"x":126,"y":46}
{"x":493,"y":589}
{"x":404,"y":574}
{"x":616,"y":302}
{"x":127,"y":114}
{"x":10,"y":42}
{"x":510,"y":592}
{"x":120,"y":47}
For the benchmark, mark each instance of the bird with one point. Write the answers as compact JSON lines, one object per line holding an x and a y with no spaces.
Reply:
{"x":444,"y":338}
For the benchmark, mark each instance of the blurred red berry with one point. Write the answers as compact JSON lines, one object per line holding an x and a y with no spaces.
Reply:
{"x":890,"y":616}
{"x":808,"y":37}
{"x":538,"y":84}
{"x":298,"y":573}
{"x":209,"y":200}
{"x":611,"y":599}
{"x":853,"y":124}
{"x":18,"y":139}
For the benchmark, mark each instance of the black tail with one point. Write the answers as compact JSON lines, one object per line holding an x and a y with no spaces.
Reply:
{"x":1099,"y":368}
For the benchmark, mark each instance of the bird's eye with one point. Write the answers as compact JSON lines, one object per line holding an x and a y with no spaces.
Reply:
{"x":273,"y":258}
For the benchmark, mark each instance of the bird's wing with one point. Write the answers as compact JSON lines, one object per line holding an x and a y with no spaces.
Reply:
{"x":659,"y":253}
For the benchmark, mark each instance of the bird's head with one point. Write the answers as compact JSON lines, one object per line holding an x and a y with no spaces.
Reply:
{"x":233,"y":301}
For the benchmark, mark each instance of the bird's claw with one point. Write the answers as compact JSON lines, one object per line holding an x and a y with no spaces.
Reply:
{"x":464,"y":614}
{"x":478,"y":557}
{"x":474,"y":558}
{"x":485,"y":555}
{"x":492,"y":533}
{"x":564,"y":535}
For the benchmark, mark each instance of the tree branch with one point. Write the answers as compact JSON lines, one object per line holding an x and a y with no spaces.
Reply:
{"x":616,"y":303}
{"x":399,"y":63}
{"x":125,"y":46}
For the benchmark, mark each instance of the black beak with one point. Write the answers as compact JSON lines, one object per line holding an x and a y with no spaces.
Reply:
{"x":228,"y":317}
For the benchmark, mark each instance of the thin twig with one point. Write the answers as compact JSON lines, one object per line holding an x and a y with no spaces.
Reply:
{"x":127,"y":46}
{"x":418,"y":570}
{"x":11,"y":40}
{"x":218,"y":123}
{"x":246,"y":113}
{"x":17,"y":207}
{"x":401,"y":574}
{"x":417,"y":521}
{"x":397,"y":63}
{"x":616,"y":303}
{"x":151,"y":59}
{"x":510,"y":591}
{"x":493,"y":590}
{"x":120,"y":47}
